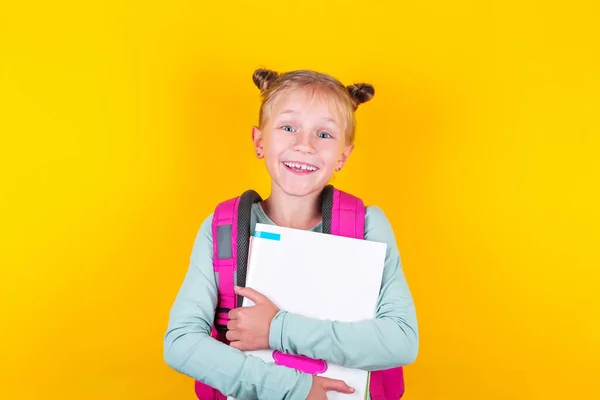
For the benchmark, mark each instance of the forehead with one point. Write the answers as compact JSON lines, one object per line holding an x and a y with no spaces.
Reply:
{"x":304,"y":101}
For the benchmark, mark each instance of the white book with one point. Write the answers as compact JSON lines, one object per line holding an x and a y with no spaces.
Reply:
{"x":320,"y":276}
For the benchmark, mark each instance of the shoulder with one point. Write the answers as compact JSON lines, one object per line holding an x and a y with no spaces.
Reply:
{"x":378,"y":227}
{"x":206,"y":225}
{"x":375,"y":213}
{"x":203,"y":240}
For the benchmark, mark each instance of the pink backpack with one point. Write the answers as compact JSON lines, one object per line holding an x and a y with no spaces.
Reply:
{"x":343,"y":214}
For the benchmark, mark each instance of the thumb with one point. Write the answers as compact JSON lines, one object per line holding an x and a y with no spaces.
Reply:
{"x":251,"y":294}
{"x":336,"y":385}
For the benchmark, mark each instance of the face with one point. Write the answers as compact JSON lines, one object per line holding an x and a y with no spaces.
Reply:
{"x":303,"y":143}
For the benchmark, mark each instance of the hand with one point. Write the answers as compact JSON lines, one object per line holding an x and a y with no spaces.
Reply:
{"x":322,"y":385}
{"x":249,"y":327}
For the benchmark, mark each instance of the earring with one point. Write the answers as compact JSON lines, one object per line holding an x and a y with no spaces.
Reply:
{"x":259,"y":154}
{"x":338,"y":169}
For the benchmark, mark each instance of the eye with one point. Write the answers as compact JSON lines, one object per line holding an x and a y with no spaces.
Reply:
{"x":324,"y":135}
{"x":288,"y":128}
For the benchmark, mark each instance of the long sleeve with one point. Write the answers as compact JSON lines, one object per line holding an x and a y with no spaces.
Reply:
{"x":390,"y":340}
{"x":189,"y":348}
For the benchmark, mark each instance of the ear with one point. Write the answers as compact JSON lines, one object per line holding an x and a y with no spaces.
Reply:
{"x":257,"y":138}
{"x":344,"y":156}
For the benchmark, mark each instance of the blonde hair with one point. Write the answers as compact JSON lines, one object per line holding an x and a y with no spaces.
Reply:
{"x":346,"y":98}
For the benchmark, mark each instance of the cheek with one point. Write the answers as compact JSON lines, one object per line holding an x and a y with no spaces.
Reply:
{"x":274,"y":149}
{"x":273,"y":154}
{"x":330,"y":156}
{"x":276,"y":146}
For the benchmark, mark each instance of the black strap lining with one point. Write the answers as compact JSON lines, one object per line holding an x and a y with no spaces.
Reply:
{"x":247,"y":199}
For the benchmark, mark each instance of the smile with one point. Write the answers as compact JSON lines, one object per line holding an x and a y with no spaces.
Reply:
{"x":300,"y":168}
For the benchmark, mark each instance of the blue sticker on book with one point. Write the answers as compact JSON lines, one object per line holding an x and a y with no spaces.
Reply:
{"x":267,"y":235}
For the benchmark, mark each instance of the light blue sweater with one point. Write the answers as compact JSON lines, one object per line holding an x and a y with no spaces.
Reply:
{"x":389,"y":340}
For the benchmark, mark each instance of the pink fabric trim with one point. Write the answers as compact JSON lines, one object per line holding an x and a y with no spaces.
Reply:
{"x":226,"y":214}
{"x":348,"y":215}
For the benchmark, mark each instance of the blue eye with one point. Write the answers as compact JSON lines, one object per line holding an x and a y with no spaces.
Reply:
{"x":287,"y":128}
{"x":324,"y":135}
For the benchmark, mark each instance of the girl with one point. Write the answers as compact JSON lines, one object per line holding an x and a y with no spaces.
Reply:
{"x":305,"y":133}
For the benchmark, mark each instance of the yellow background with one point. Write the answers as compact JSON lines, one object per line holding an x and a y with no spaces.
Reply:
{"x":124,"y":122}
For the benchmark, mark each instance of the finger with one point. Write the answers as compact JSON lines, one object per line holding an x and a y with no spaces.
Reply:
{"x":251,"y":294}
{"x":233,"y":324}
{"x":238,"y":345}
{"x":233,"y":336}
{"x":234,"y":314}
{"x":337,"y":385}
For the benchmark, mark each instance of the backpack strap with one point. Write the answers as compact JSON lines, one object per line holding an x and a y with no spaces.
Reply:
{"x":231,"y":233}
{"x":224,"y":234}
{"x":247,"y":199}
{"x":343,"y":213}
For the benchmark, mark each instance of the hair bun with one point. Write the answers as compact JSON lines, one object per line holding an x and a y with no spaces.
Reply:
{"x":263,"y":78}
{"x":361,"y":93}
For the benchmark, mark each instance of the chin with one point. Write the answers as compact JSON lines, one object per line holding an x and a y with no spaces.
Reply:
{"x":296,"y":190}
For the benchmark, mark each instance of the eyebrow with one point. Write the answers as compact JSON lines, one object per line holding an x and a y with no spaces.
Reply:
{"x":328,"y":119}
{"x":289,"y":112}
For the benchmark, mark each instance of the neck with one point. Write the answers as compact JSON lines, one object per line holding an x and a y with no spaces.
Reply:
{"x":293,"y":211}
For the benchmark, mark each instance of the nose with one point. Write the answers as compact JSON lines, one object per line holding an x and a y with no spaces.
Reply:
{"x":304,"y":143}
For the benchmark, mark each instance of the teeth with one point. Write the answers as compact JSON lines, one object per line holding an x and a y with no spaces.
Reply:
{"x":303,"y":167}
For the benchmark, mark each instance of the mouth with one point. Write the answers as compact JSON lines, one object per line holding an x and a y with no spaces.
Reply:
{"x":300,"y":168}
